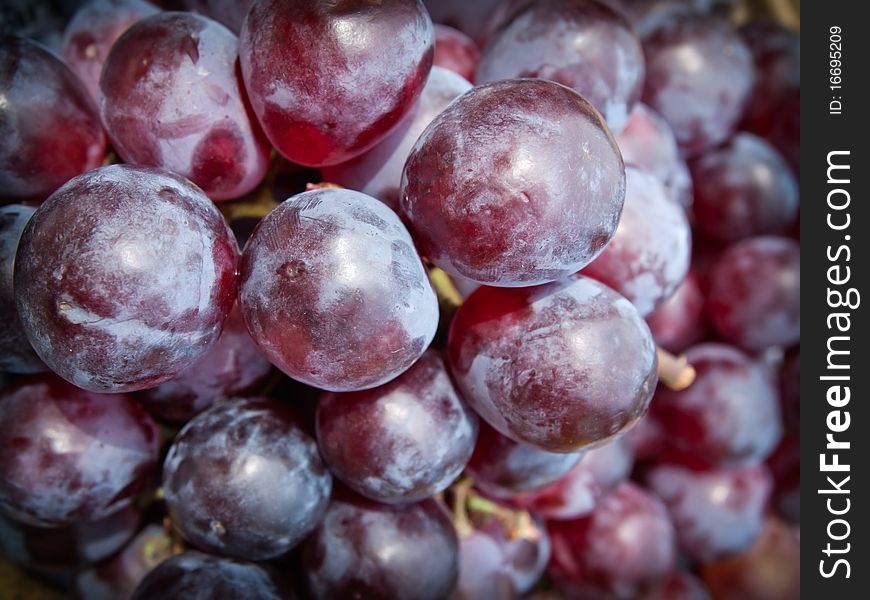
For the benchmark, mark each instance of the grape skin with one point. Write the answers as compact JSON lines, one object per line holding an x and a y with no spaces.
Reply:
{"x":124,"y":277}
{"x":679,"y":321}
{"x":172,"y":98}
{"x":523,"y":359}
{"x":75,"y":456}
{"x":516,"y":183}
{"x":455,"y":51}
{"x":243,"y":480}
{"x":230,"y":13}
{"x":400,"y":442}
{"x":333,"y":292}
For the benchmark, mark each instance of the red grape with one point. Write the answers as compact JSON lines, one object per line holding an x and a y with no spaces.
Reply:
{"x":503,"y":468}
{"x":754,"y":299}
{"x":243,"y":480}
{"x":455,"y":51}
{"x":649,"y":255}
{"x":172,"y":98}
{"x":582,"y":44}
{"x":196,"y":576}
{"x":49,"y":127}
{"x":16,"y":354}
{"x":516,"y":183}
{"x":648,"y":439}
{"x":230,"y":13}
{"x":679,"y":321}
{"x":328,"y":80}
{"x":334,"y":293}
{"x":785,"y":466}
{"x":715,"y":513}
{"x":471,"y":18}
{"x":124,"y":277}
{"x":560,"y":366}
{"x":743,"y":188}
{"x":93,"y":30}
{"x":378,"y":171}
{"x":729,"y":414}
{"x":649,"y":143}
{"x":233,"y":366}
{"x":623,"y":546}
{"x":377,"y":551}
{"x":790,"y":390}
{"x":400,"y":442}
{"x":680,"y":585}
{"x":699,"y":77}
{"x":74,"y":456}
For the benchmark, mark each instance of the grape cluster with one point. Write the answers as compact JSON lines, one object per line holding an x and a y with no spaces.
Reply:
{"x":399,"y":300}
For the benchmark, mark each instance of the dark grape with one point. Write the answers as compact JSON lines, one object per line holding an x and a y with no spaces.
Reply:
{"x":471,"y":18}
{"x":729,"y":415}
{"x":93,"y":30}
{"x":16,"y":353}
{"x":196,"y":576}
{"x":363,"y":549}
{"x":790,"y":390}
{"x":243,"y":480}
{"x":124,"y":277}
{"x":74,"y":456}
{"x":378,"y":171}
{"x":333,"y":292}
{"x":560,"y":366}
{"x":785,"y":466}
{"x":699,"y":77}
{"x":680,"y":585}
{"x":233,"y":366}
{"x":172,"y":98}
{"x":516,"y":183}
{"x":49,"y":127}
{"x":583,"y":44}
{"x":230,"y":13}
{"x":754,"y":299}
{"x":455,"y":51}
{"x":649,"y":255}
{"x":679,"y":321}
{"x":328,"y":80}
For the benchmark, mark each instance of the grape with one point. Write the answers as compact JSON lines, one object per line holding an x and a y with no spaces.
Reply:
{"x":623,"y":546}
{"x":560,"y":366}
{"x":648,"y":439}
{"x":401,"y":442}
{"x":679,"y":321}
{"x":785,"y":466}
{"x":649,"y":255}
{"x":743,"y":188}
{"x":680,"y":585}
{"x":124,"y":277}
{"x":233,"y":366}
{"x":785,"y":130}
{"x":790,"y":390}
{"x":74,"y":456}
{"x":769,"y":570}
{"x":715,"y":513}
{"x":118,"y":576}
{"x":196,"y":576}
{"x":378,"y":171}
{"x":334,"y":293}
{"x":455,"y":51}
{"x":730,"y":414}
{"x":363,"y":549}
{"x":503,"y":468}
{"x":599,"y":472}
{"x":471,"y":18}
{"x":754,"y":299}
{"x":41,"y":22}
{"x":699,"y":77}
{"x":93,"y":30}
{"x":66,"y":545}
{"x":172,"y":99}
{"x":16,"y":354}
{"x":516,"y":183}
{"x":229,"y":13}
{"x":49,"y":127}
{"x":243,"y":480}
{"x":582,"y":44}
{"x":328,"y":80}
{"x":649,"y":143}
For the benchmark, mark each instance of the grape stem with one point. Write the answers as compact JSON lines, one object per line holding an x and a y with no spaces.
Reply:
{"x":444,"y":288}
{"x":675,"y":372}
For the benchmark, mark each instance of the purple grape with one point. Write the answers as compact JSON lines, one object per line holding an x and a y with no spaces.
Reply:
{"x":229,"y":13}
{"x":679,"y":321}
{"x":455,"y":51}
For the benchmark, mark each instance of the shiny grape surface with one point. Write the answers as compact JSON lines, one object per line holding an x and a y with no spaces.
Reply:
{"x":49,"y":126}
{"x":243,"y":480}
{"x":124,"y":277}
{"x":322,"y":96}
{"x":178,"y":70}
{"x":524,"y":359}
{"x":75,"y":456}
{"x":517,"y":183}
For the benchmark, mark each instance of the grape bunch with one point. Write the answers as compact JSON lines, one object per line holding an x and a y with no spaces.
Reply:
{"x":402,"y":300}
